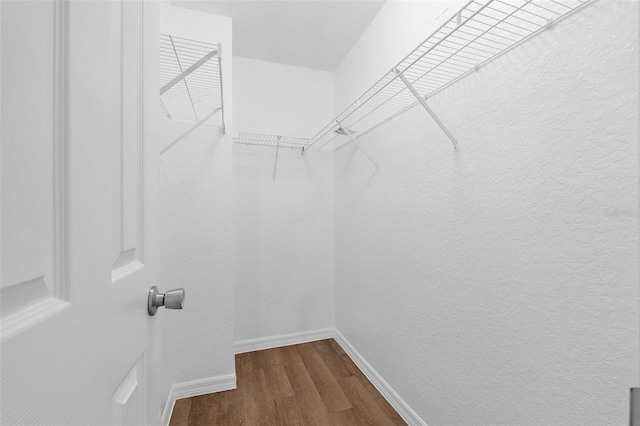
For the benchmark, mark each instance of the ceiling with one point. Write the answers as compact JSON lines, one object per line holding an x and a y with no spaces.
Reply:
{"x":314,"y":34}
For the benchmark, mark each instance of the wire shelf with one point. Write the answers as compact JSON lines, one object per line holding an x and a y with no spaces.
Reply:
{"x":198,"y":93}
{"x":274,"y":141}
{"x":271,"y":141}
{"x":478,"y":33}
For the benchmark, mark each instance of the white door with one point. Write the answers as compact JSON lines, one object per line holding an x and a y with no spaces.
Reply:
{"x":79,"y":104}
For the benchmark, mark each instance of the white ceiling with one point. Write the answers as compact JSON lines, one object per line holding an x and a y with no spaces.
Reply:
{"x":314,"y":34}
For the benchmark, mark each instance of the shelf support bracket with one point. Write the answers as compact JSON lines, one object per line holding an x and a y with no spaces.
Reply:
{"x":355,"y":141}
{"x":275,"y":164}
{"x":164,"y":108}
{"x":426,"y":107}
{"x":219,"y":55}
{"x":188,"y":132}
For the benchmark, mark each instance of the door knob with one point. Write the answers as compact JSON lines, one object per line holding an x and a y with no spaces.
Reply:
{"x":172,"y":299}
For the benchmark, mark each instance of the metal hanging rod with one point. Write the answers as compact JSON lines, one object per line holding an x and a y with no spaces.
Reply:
{"x":478,"y":33}
{"x":190,"y":81}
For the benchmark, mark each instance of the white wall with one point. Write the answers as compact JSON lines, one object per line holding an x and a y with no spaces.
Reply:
{"x":487,"y":286}
{"x":397,"y":29}
{"x":228,"y":227}
{"x":197,"y":231}
{"x":280,"y":99}
{"x":284,"y":242}
{"x":492,"y":285}
{"x":284,"y":245}
{"x":197,"y":226}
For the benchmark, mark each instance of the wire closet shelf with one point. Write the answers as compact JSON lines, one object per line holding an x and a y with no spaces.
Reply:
{"x":271,"y":141}
{"x":476,"y":34}
{"x":190,"y":79}
{"x":259,"y":139}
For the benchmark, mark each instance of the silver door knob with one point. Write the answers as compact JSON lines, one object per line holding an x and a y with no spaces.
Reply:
{"x":172,"y":299}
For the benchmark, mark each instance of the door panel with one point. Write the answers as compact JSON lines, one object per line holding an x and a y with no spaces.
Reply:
{"x":127,"y":109}
{"x":129,"y":398}
{"x":32,"y":277}
{"x":79,"y":228}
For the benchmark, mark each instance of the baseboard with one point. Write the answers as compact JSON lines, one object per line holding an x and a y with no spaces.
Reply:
{"x":195,"y":388}
{"x":399,"y":404}
{"x":228,"y":382}
{"x":282,"y":340}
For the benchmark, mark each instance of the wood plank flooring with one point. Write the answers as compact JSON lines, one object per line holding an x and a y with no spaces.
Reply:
{"x":309,"y":384}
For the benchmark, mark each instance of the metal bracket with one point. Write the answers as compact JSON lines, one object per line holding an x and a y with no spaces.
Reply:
{"x":188,"y":132}
{"x":348,"y":133}
{"x":164,"y":108}
{"x":219,"y":55}
{"x":426,"y":107}
{"x":275,"y":164}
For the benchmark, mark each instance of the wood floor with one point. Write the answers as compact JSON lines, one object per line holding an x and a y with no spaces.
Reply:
{"x":309,"y":384}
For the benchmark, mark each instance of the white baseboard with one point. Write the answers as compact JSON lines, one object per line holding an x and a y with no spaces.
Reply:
{"x":195,"y":388}
{"x":228,"y":382}
{"x":399,"y":404}
{"x":282,"y":340}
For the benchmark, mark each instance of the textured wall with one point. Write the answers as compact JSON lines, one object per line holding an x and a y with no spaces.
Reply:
{"x":196,"y":226}
{"x":197,"y":232}
{"x":284,"y":242}
{"x":493,"y":285}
